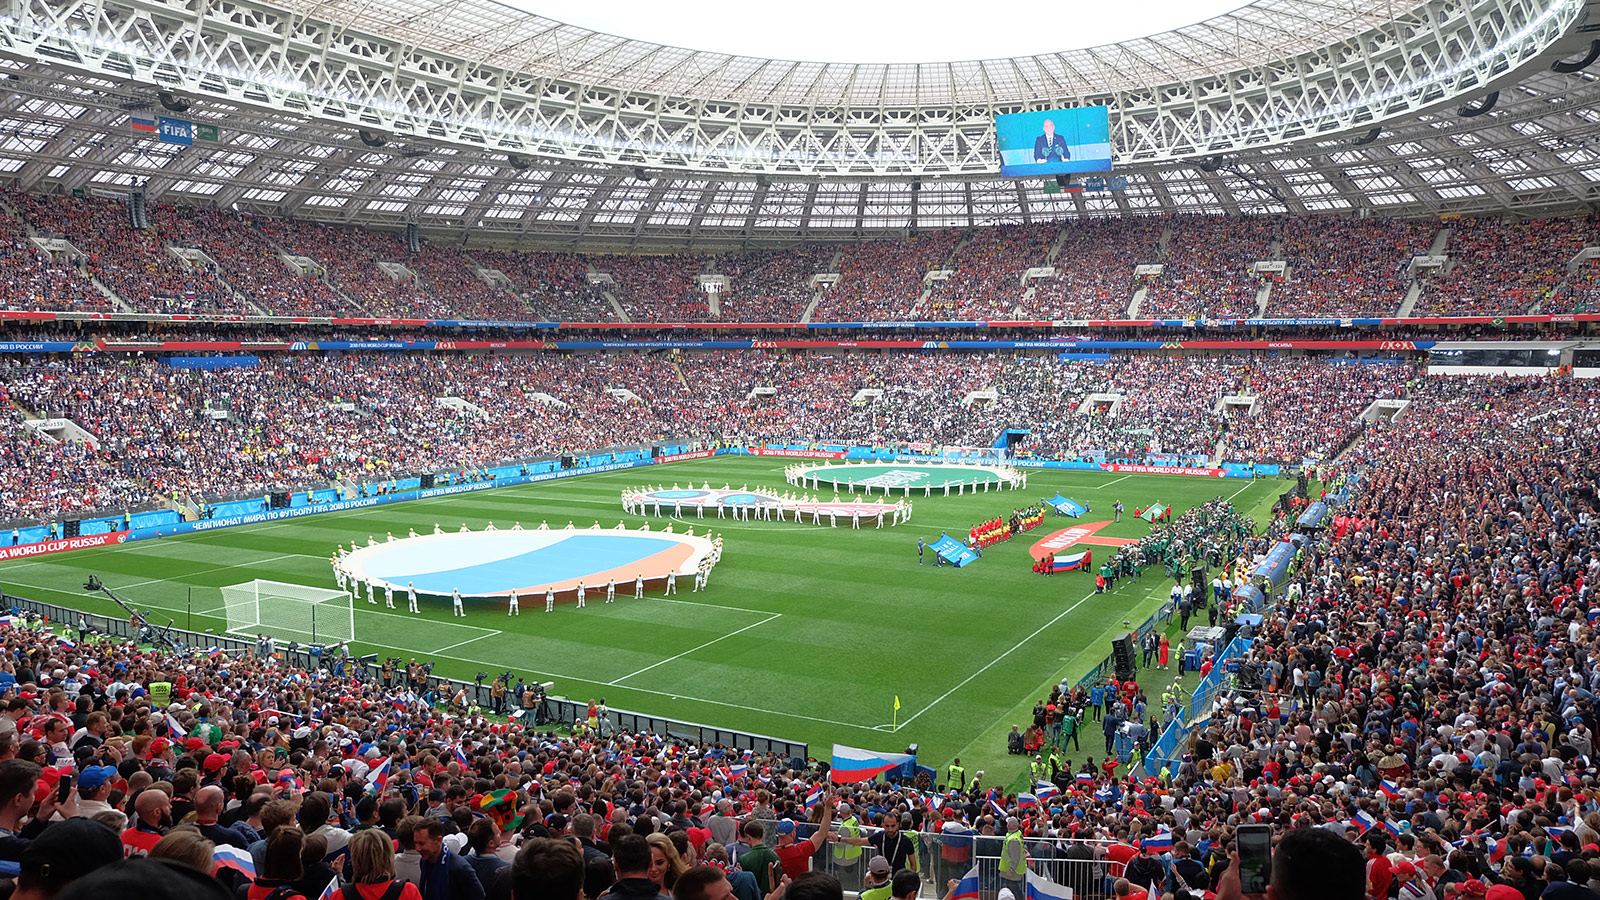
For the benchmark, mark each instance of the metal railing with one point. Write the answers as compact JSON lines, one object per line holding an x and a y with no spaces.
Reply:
{"x":1078,"y":864}
{"x":552,"y":711}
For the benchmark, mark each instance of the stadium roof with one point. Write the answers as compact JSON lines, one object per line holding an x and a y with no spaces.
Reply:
{"x":1450,"y":107}
{"x":485,"y":31}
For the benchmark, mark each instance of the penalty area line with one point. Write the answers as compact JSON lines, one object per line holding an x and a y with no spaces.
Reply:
{"x":618,"y":682}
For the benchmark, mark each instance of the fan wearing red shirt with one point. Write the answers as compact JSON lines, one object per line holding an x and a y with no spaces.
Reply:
{"x":1120,"y":854}
{"x":796,"y":857}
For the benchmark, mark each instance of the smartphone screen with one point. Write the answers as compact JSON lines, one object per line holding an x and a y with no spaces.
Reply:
{"x":63,"y":788}
{"x":1255,"y":858}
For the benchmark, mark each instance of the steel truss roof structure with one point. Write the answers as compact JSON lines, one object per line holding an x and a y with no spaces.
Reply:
{"x":474,"y":120}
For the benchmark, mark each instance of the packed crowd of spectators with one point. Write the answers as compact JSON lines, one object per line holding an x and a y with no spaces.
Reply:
{"x":1336,"y":267}
{"x":251,"y":264}
{"x":1500,"y":267}
{"x":1346,"y":267}
{"x":1207,"y":267}
{"x":1307,"y":407}
{"x":882,"y":280}
{"x":34,"y":281}
{"x":1414,"y":718}
{"x":555,"y":285}
{"x":1094,"y":270}
{"x":134,"y":264}
{"x":657,"y":288}
{"x":1578,"y":294}
{"x":769,"y":285}
{"x":989,"y":266}
{"x":213,"y":434}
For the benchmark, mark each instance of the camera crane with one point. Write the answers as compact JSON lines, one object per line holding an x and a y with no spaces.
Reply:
{"x":145,"y":629}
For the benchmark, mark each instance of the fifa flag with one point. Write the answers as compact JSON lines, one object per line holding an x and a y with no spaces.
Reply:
{"x":1070,"y":561}
{"x":852,"y":764}
{"x":1042,"y":888}
{"x":1156,"y":511}
{"x":967,"y":887}
{"x":1065,"y":507}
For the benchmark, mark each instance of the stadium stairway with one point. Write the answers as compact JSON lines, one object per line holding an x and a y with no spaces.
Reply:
{"x":1263,"y":297}
{"x":196,"y":258}
{"x":616,"y":306}
{"x":1055,"y":248}
{"x":1136,"y":302}
{"x":326,"y":282}
{"x":1413,"y":294}
{"x":108,"y":293}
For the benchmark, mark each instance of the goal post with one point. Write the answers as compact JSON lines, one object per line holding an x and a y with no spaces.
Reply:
{"x":289,"y":612}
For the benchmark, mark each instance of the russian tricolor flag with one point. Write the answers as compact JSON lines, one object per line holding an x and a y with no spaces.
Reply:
{"x":996,"y":808}
{"x":137,"y":123}
{"x":967,"y":887}
{"x":815,"y":797}
{"x":458,"y":753}
{"x":1027,"y":801}
{"x":1160,"y":842}
{"x":1042,"y":888}
{"x":1085,"y":778}
{"x":1070,"y":561}
{"x":1363,"y":821}
{"x":228,"y":857}
{"x":852,"y":764}
{"x":1045,"y":790}
{"x":738,"y":770}
{"x":1391,"y":827}
{"x":1389,"y":788}
{"x":174,"y":727}
{"x":379,"y":774}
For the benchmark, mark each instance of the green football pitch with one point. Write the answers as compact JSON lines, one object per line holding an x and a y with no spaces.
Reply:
{"x":805,"y":633}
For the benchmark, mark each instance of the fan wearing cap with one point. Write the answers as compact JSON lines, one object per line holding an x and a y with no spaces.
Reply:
{"x":94,"y":785}
{"x":1412,"y":884}
{"x":796,"y":857}
{"x":877,"y":884}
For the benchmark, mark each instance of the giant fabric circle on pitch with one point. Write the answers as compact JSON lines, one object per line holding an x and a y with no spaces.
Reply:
{"x":494,"y":563}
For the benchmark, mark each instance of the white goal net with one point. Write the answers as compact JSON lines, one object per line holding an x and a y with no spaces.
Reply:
{"x":289,"y":612}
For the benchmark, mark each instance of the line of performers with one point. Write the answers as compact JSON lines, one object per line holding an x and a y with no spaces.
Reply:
{"x":352,"y":583}
{"x":639,"y":501}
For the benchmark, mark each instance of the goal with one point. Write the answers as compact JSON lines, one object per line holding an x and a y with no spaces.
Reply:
{"x":289,"y":611}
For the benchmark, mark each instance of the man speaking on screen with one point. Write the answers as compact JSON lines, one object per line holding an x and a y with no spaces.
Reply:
{"x":1050,"y":147}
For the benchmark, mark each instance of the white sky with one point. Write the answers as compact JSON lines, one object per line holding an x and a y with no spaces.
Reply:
{"x":871,"y":31}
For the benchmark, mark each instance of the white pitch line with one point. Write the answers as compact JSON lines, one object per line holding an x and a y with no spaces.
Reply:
{"x":757,"y":612}
{"x":467,"y":641}
{"x":559,"y":677}
{"x":618,"y":682}
{"x":1248,"y":485}
{"x":1109,"y":483}
{"x":992,"y":662}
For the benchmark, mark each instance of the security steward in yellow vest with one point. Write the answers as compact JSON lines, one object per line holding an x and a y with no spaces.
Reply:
{"x":1014,"y":859}
{"x":955,"y":777}
{"x":845,"y":856}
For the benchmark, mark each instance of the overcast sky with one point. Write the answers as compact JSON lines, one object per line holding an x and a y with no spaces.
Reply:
{"x":878,"y":32}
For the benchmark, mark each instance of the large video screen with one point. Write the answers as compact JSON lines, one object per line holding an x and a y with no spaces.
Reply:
{"x":1054,"y":142}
